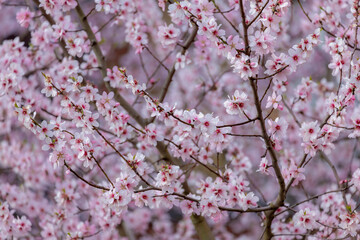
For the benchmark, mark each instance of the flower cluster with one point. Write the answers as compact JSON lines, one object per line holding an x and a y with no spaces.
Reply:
{"x":194,"y":119}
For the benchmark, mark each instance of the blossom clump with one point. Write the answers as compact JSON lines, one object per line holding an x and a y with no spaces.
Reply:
{"x":191,"y":119}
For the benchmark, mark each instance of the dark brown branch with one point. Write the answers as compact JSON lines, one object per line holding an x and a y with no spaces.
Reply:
{"x":271,"y":75}
{"x":336,"y":175}
{"x":245,"y":28}
{"x":244,"y":135}
{"x":102,"y":170}
{"x":291,"y":113}
{"x":313,"y":198}
{"x":303,"y":10}
{"x":82,"y":179}
{"x":156,"y":58}
{"x":259,"y":13}
{"x":279,"y":201}
{"x":266,"y":90}
{"x":238,"y":124}
{"x":222,"y":14}
{"x":106,"y":23}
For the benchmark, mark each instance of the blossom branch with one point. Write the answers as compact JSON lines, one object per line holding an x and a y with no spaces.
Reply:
{"x":185,"y":47}
{"x":52,"y":22}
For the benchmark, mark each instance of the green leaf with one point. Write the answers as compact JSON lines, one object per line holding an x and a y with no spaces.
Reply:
{"x":348,"y":207}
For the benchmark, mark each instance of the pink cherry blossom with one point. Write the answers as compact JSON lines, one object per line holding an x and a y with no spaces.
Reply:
{"x":305,"y":218}
{"x":236,"y":103}
{"x":191,"y":119}
{"x":181,"y":60}
{"x":168,"y":35}
{"x":24,"y":17}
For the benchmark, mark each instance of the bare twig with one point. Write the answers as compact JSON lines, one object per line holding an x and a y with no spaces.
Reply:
{"x":82,"y":179}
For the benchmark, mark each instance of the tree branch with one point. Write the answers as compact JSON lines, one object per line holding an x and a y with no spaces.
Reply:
{"x":185,"y":47}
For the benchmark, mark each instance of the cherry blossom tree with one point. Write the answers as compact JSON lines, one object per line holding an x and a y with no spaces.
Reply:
{"x":179,"y":119}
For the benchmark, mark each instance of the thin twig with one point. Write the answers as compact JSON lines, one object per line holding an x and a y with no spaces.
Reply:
{"x":82,"y":179}
{"x":303,"y":10}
